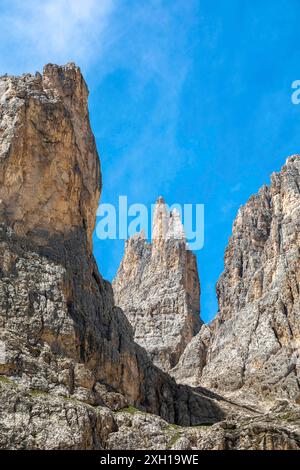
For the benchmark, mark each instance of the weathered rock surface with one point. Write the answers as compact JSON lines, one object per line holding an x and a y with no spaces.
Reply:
{"x":193,"y":360}
{"x":269,"y":431}
{"x":31,"y":419}
{"x":157,"y":287}
{"x":60,"y":332}
{"x":255,"y":338}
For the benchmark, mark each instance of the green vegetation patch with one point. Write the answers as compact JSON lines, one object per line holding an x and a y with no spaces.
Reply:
{"x":174,"y":432}
{"x":6,"y":380}
{"x":129,"y":409}
{"x":37,"y":393}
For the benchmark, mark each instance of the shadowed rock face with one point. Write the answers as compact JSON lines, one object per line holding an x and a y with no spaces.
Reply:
{"x":157,"y":287}
{"x":60,"y":332}
{"x":255,"y":338}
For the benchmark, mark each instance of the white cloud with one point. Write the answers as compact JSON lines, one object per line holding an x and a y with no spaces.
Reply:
{"x":35,"y":32}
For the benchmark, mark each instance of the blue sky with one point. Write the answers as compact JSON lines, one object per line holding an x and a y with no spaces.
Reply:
{"x":190,"y":99}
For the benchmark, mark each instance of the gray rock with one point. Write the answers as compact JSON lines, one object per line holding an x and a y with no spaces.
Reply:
{"x":37,"y":420}
{"x":193,"y":359}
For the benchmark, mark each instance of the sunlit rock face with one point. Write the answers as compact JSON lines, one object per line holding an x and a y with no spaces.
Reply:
{"x":157,"y":286}
{"x":255,"y":339}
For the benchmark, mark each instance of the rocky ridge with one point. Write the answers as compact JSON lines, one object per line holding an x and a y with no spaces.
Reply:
{"x":253,"y":344}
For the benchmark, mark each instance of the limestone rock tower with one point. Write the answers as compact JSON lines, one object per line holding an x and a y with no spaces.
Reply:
{"x":157,"y":286}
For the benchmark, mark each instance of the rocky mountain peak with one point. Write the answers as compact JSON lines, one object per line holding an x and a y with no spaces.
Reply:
{"x":293,"y":159}
{"x":160,"y":222}
{"x":157,"y":286}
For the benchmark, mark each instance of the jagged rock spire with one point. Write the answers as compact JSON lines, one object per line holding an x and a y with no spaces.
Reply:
{"x":50,"y":177}
{"x":160,"y":223}
{"x":158,"y":288}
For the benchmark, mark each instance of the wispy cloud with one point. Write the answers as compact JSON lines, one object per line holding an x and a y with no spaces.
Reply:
{"x":236,"y":188}
{"x":34,"y":32}
{"x":153,"y":47}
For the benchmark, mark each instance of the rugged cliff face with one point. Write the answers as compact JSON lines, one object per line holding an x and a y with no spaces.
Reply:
{"x":157,"y":287}
{"x":60,"y":332}
{"x":255,"y":338}
{"x":49,"y":175}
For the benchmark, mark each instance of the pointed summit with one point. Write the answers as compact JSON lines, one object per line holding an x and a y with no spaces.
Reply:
{"x":157,"y":286}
